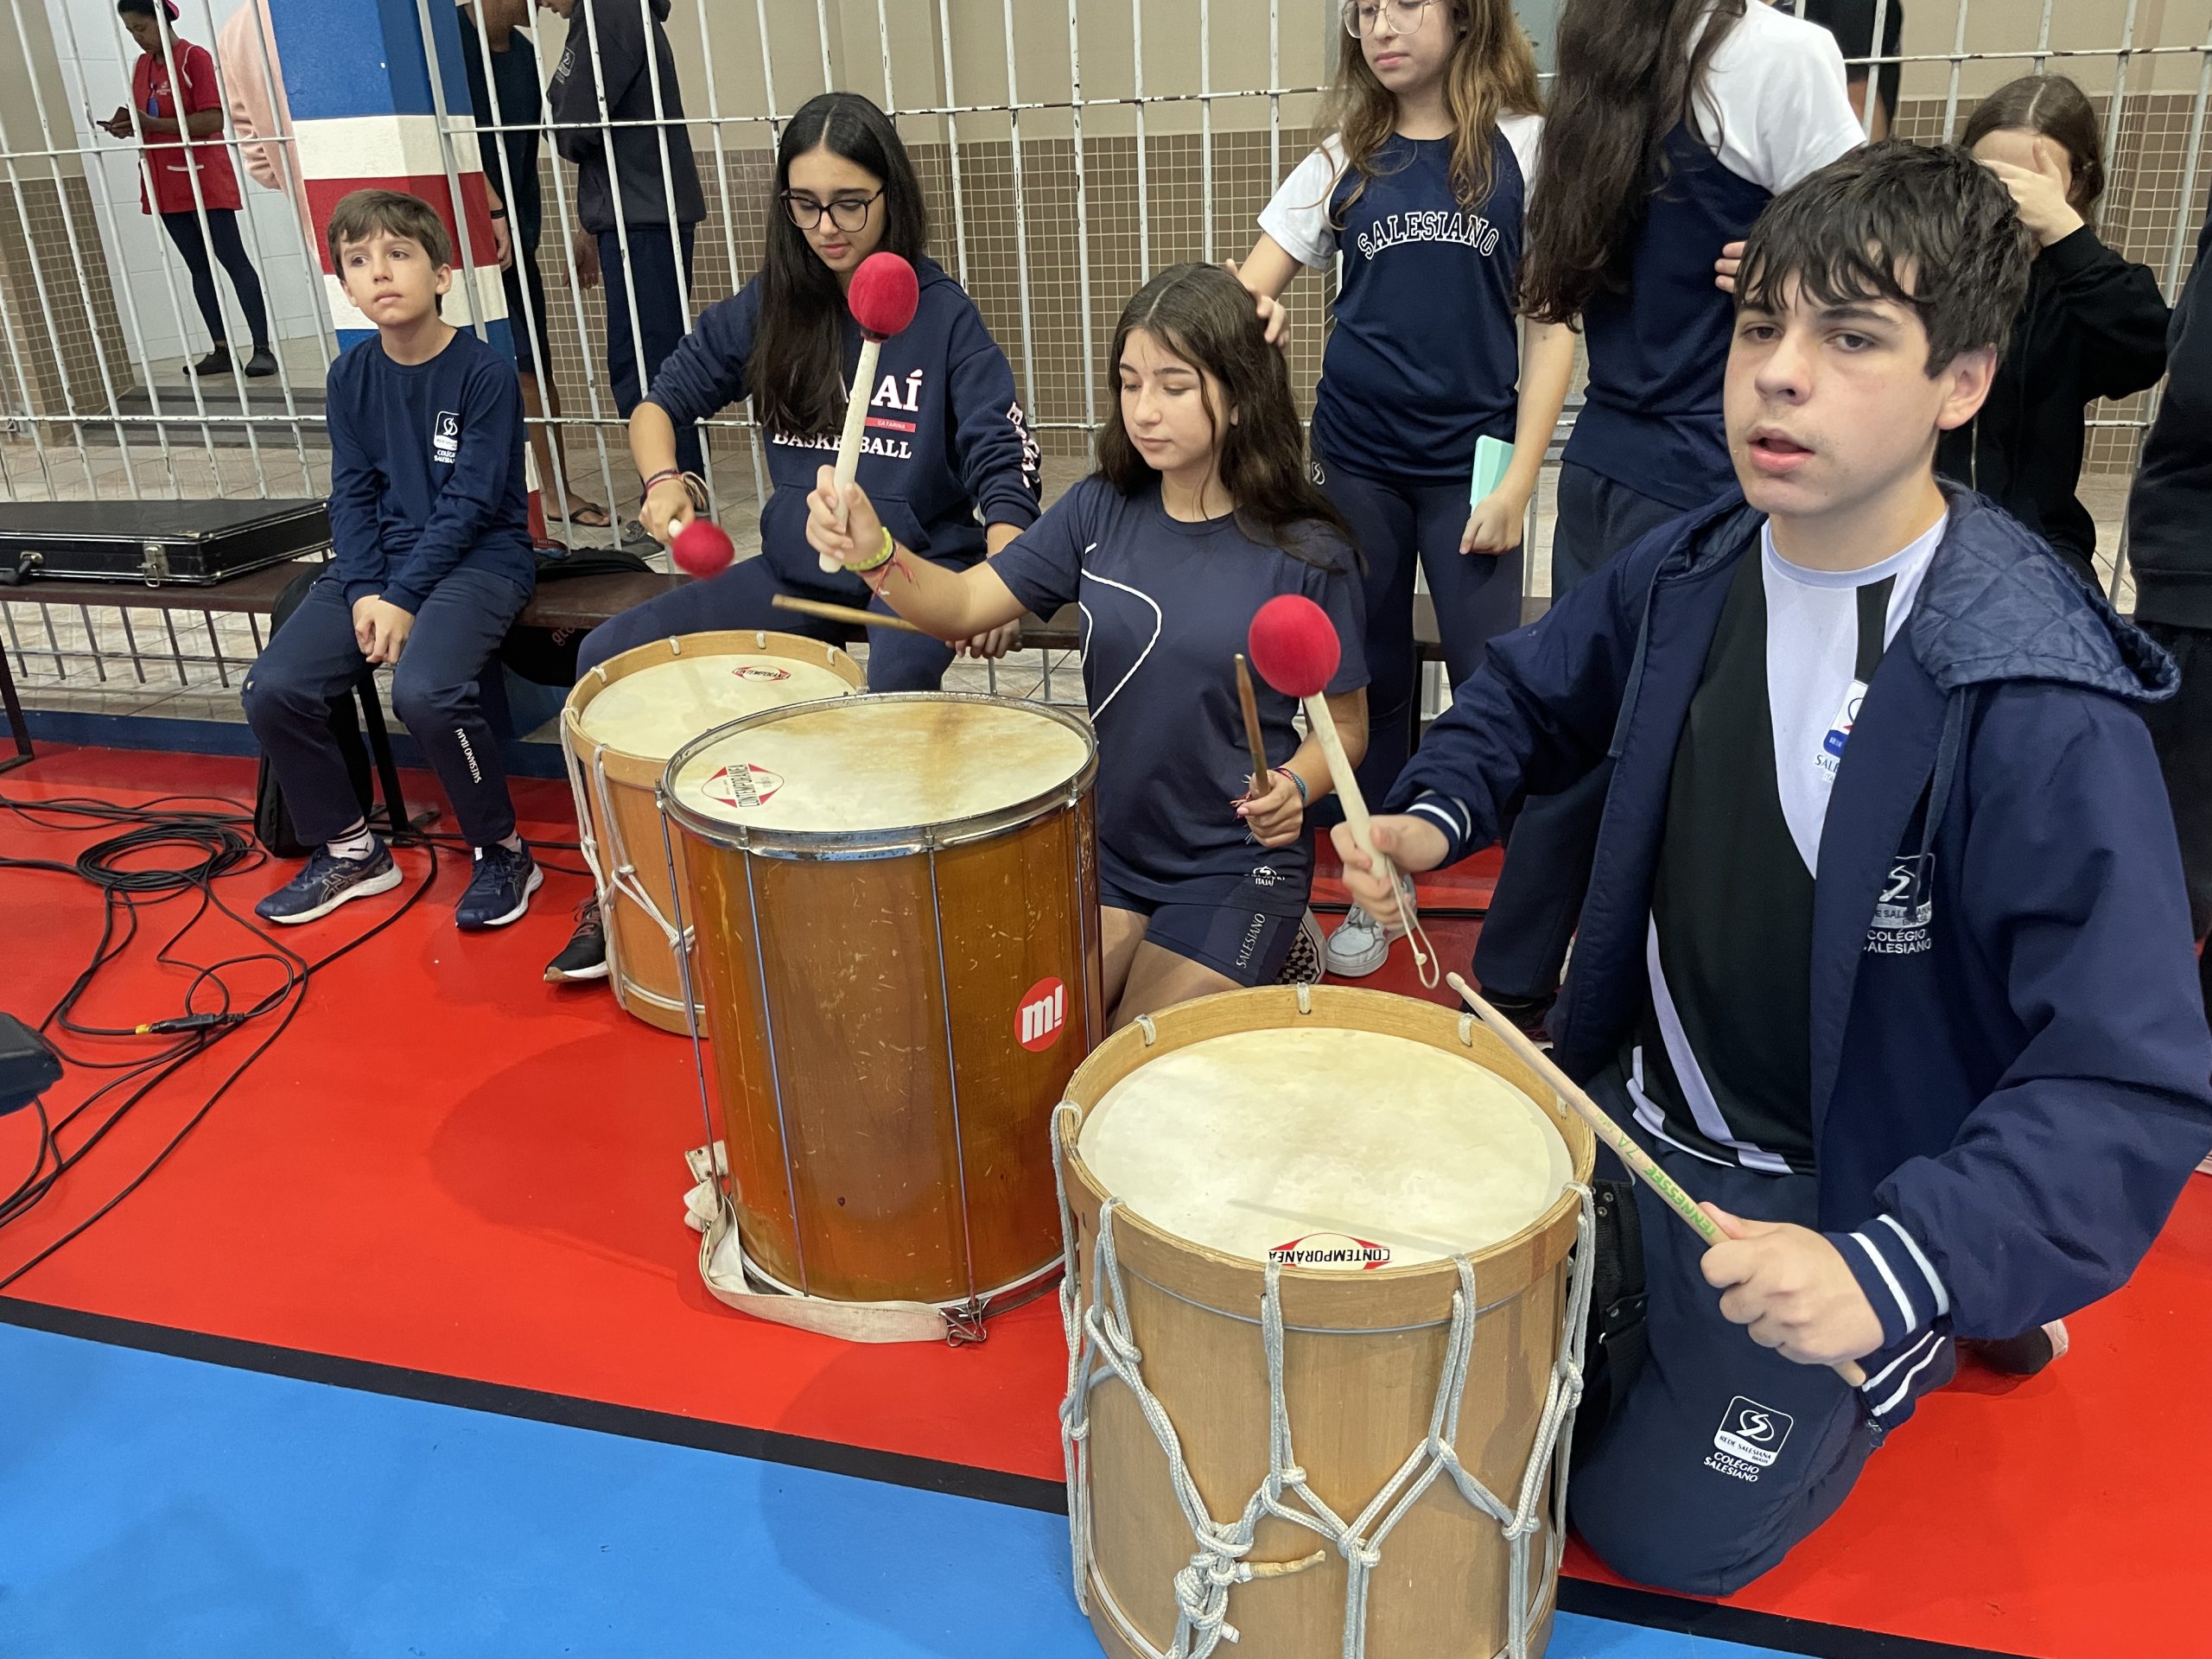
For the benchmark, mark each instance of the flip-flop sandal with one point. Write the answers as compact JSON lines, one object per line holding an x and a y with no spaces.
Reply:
{"x":589,"y":516}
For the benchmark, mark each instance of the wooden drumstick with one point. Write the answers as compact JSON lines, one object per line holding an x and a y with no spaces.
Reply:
{"x":844,"y":614}
{"x":1253,"y":736}
{"x":1640,"y":1162}
{"x":882,"y":298}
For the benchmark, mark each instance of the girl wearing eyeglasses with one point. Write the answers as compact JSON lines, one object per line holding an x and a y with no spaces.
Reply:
{"x":1420,"y":192}
{"x":947,"y":458}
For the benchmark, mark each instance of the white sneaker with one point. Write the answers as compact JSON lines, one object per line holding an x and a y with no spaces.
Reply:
{"x":1359,"y":946}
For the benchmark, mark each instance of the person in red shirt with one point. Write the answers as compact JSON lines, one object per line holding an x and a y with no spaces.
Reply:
{"x":161,"y":115}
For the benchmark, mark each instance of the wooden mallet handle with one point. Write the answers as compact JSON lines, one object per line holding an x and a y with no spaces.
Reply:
{"x":1253,"y":737}
{"x":844,"y":614}
{"x":848,"y":444}
{"x":1601,"y":1124}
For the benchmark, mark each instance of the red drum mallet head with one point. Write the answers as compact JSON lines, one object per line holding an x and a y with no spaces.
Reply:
{"x":701,"y":548}
{"x":884,"y":296}
{"x":1294,"y":645}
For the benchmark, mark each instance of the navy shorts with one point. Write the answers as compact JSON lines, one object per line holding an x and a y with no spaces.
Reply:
{"x":1240,"y":927}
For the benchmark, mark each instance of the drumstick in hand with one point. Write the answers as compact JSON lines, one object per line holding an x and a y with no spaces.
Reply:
{"x":1253,"y":736}
{"x":1640,"y":1162}
{"x":1294,"y":646}
{"x":883,"y":298}
{"x":844,"y":614}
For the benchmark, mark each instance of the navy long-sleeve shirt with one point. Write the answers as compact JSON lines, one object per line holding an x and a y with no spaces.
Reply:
{"x":426,"y":470}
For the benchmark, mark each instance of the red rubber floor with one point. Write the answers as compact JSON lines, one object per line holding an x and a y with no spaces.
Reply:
{"x":449,"y":1166}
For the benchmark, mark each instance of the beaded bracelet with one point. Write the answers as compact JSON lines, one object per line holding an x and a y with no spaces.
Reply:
{"x":881,"y":558}
{"x":1303,"y":795}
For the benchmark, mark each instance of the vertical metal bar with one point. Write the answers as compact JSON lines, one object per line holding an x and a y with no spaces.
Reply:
{"x":761,"y":483}
{"x":883,"y":39}
{"x":2120,"y":81}
{"x":46,"y":311}
{"x":1081,"y":221}
{"x":285,"y":148}
{"x":235,"y":148}
{"x":1874,"y":68}
{"x":77,"y":252}
{"x":1020,"y":219}
{"x":176,"y":649}
{"x":1205,"y":127}
{"x":53,"y":640}
{"x":215,"y":649}
{"x":2187,"y":204}
{"x":1958,"y":57}
{"x":92,"y":641}
{"x":571,"y":227}
{"x":442,"y":119}
{"x":729,"y":234}
{"x":952,"y":148}
{"x":951,"y":1050}
{"x":1274,"y":96}
{"x":17,"y":340}
{"x":2043,"y":38}
{"x":1144,"y":193}
{"x":821,"y":34}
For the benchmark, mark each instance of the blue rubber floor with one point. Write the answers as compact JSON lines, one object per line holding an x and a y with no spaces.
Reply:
{"x":157,"y":1508}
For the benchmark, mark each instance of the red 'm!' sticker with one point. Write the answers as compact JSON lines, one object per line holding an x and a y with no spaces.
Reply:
{"x":1043,"y":1016}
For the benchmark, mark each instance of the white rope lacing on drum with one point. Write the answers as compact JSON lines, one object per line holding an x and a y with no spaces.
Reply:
{"x":1100,"y":1346}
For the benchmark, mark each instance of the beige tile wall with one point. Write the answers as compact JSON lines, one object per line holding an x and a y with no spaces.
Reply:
{"x":51,"y":369}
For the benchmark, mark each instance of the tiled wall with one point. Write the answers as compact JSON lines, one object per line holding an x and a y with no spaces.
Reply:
{"x":2142,"y":214}
{"x":1050,"y":356}
{"x":53,"y":371}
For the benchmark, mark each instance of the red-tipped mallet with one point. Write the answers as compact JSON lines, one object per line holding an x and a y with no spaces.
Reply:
{"x":701,"y":548}
{"x":1294,"y":646}
{"x":883,"y":298}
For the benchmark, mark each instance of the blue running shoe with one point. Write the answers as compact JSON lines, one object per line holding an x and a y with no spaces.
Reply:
{"x":327,"y":882}
{"x":499,"y":891}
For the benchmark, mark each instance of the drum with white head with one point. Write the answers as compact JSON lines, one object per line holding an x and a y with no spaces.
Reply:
{"x":620,"y":724}
{"x":1324,"y":1300}
{"x":893,"y":902}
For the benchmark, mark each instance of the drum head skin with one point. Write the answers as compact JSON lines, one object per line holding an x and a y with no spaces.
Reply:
{"x":1325,"y":1148}
{"x":656,"y":710}
{"x":869,"y":765}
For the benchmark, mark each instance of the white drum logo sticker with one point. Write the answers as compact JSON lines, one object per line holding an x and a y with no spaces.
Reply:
{"x":1330,"y":1250}
{"x":1043,"y":1016}
{"x":761,"y":671}
{"x":744,"y":785}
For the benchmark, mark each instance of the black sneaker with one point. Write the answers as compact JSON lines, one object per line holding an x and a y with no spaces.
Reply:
{"x":261,"y":364}
{"x":585,"y":957}
{"x":499,"y":891}
{"x":2026,"y":1354}
{"x":216,"y":362}
{"x":327,"y":882}
{"x":1308,"y":953}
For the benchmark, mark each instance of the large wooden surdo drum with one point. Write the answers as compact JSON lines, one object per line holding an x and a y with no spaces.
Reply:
{"x":1324,"y":1302}
{"x":619,"y":726}
{"x":894,"y":903}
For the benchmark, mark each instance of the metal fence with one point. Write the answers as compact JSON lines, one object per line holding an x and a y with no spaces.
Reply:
{"x":1067,"y":151}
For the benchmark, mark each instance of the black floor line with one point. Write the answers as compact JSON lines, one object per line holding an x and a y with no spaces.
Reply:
{"x":1641,"y":1607}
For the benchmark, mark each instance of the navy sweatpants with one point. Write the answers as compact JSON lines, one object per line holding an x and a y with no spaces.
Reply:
{"x":740,"y":598}
{"x":1724,"y":1454}
{"x":1397,"y":526}
{"x":1524,"y":942}
{"x":633,"y":359}
{"x":313,"y":658}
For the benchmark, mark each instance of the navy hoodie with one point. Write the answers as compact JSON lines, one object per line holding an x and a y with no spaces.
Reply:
{"x":637,"y":91}
{"x":2005,"y":1117}
{"x":945,"y":433}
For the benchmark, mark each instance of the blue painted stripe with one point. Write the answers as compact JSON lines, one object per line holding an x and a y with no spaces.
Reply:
{"x":365,"y":57}
{"x":155,"y":1505}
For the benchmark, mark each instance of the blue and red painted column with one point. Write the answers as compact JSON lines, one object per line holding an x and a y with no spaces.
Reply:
{"x":365,"y":116}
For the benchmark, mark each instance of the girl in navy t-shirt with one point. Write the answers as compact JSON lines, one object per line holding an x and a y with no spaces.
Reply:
{"x":1200,"y":512}
{"x":1418,"y":196}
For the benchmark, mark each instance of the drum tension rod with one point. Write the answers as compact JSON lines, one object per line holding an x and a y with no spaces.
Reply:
{"x":964,"y":1326}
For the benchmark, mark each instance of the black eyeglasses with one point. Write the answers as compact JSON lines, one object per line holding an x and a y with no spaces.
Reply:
{"x":848,"y":214}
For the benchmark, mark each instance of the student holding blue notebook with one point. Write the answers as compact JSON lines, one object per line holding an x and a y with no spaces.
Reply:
{"x":1419,"y":195}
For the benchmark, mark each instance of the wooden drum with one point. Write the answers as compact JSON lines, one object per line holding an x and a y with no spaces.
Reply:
{"x":1331,"y":1238}
{"x":893,"y":901}
{"x":621,"y":723}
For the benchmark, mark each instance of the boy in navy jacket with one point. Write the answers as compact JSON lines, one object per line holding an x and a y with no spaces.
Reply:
{"x":1886,"y":950}
{"x":432,"y":562}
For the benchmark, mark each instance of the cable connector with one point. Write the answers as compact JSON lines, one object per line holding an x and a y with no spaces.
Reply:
{"x":190,"y":1022}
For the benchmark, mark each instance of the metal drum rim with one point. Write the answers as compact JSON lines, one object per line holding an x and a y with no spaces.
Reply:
{"x":898,"y":841}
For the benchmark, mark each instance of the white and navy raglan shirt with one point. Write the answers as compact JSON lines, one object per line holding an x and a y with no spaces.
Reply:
{"x":1425,"y":355}
{"x":1166,"y":605}
{"x":1722,"y":1064}
{"x":1774,"y":109}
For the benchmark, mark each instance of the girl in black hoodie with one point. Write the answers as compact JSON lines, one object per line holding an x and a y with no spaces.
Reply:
{"x":2094,"y":326}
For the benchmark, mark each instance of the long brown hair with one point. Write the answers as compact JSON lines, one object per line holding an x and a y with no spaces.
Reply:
{"x":2055,"y":107}
{"x":1491,"y":74}
{"x":1205,"y":316}
{"x":1629,"y":74}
